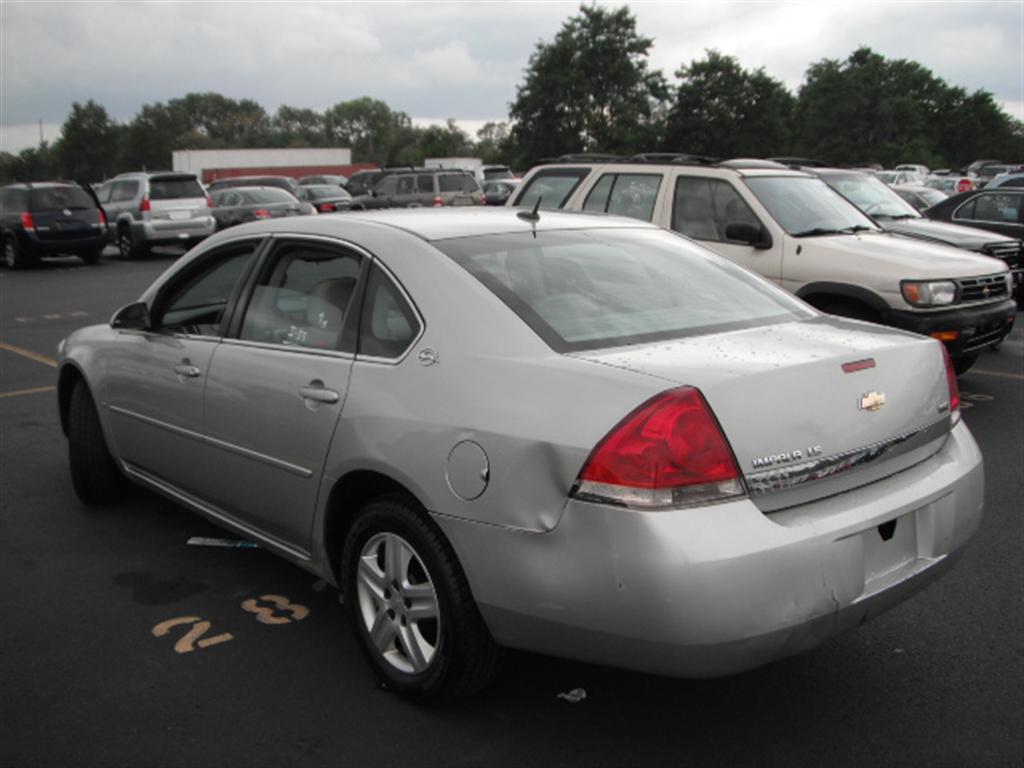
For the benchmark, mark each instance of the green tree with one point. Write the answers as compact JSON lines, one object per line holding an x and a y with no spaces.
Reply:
{"x":297,"y":127}
{"x":374,"y":132}
{"x":33,"y":164}
{"x":446,"y":140}
{"x":724,"y":110}
{"x":87,"y":150}
{"x":151,"y":137}
{"x":492,"y":142}
{"x":589,"y":90}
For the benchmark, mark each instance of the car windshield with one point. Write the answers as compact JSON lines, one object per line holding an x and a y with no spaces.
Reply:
{"x":872,"y":196}
{"x":174,"y":188}
{"x":56,"y":198}
{"x":805,"y":207}
{"x":591,"y":289}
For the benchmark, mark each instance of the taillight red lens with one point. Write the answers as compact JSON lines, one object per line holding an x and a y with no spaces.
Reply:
{"x":964,"y":185}
{"x":483,"y":199}
{"x":326,"y":207}
{"x":144,"y":205}
{"x":669,"y":452}
{"x":103,"y":217}
{"x":209,"y":202}
{"x":954,"y":388}
{"x":261,"y":213}
{"x":27,"y":222}
{"x":438,"y":201}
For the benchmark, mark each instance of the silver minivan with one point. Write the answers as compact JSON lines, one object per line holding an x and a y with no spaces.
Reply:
{"x":146,"y":209}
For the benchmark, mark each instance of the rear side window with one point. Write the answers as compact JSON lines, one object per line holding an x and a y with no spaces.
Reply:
{"x":457,"y":182}
{"x":604,"y":288}
{"x":425,"y":184}
{"x":998,"y":208}
{"x":175,"y":188}
{"x":625,"y":194}
{"x":124,"y":191}
{"x":552,"y":187}
{"x":303,"y":299}
{"x":389,"y":325}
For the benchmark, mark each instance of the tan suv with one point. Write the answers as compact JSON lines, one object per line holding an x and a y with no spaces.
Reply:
{"x":794,"y":230}
{"x":421,"y":188}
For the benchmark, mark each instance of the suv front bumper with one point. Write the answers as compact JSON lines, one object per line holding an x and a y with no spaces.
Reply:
{"x":977,"y":327}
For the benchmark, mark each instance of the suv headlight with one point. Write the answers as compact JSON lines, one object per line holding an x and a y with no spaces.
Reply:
{"x":937,"y":293}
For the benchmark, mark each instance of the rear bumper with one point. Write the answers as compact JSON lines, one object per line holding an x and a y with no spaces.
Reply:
{"x":94,"y":241}
{"x":720,"y":589}
{"x":977,"y":327}
{"x":165,"y":232}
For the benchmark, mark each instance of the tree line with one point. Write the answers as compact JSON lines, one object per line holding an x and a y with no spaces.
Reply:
{"x":590,"y":89}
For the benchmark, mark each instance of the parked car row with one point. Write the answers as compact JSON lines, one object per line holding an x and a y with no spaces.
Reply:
{"x":793,"y":229}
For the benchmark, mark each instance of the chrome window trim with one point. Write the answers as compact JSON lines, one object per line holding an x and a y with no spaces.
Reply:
{"x":332,"y":353}
{"x":976,"y":198}
{"x":786,"y":478}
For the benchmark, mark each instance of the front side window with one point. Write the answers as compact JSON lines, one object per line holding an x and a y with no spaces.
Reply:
{"x":625,"y":194}
{"x":406,"y":185}
{"x":806,"y":207}
{"x":196,"y":302}
{"x":592,"y":289}
{"x":389,"y":325}
{"x":704,"y":208}
{"x":303,"y":297}
{"x":552,"y":187}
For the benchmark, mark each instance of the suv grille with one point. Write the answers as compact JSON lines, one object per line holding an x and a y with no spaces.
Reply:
{"x":1007,"y":250}
{"x":982,"y":288}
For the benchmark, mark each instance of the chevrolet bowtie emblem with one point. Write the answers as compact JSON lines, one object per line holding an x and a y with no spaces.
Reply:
{"x":872,"y":401}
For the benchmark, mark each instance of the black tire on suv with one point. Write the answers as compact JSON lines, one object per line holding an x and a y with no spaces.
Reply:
{"x":16,"y":256}
{"x":127,"y":246}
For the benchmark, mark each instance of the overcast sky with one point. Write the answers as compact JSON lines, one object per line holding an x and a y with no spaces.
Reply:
{"x":435,"y":60}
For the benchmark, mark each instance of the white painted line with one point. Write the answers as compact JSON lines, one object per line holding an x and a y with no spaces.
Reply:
{"x":23,"y":319}
{"x":1000,"y":374}
{"x":51,"y":317}
{"x":78,"y":314}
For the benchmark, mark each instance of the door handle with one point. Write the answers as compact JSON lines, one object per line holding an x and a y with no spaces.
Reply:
{"x":317,"y":393}
{"x":187,"y":369}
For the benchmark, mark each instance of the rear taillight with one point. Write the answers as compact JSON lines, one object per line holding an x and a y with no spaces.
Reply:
{"x":209,"y":202}
{"x":954,"y":388}
{"x":144,"y":205}
{"x":27,"y":222}
{"x":326,"y":207}
{"x":483,"y":199}
{"x":438,"y":201}
{"x":103,"y":217}
{"x":261,"y":213}
{"x":964,"y":185}
{"x":668,"y":453}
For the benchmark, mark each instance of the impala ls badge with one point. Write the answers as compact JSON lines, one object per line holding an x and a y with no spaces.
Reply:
{"x":871,"y":401}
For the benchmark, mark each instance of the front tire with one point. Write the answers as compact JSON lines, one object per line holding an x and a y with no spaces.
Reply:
{"x":963,"y":363}
{"x":93,"y":473}
{"x":411,"y":606}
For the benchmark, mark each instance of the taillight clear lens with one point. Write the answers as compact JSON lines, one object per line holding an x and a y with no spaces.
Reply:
{"x":668,"y":453}
{"x":954,"y":388}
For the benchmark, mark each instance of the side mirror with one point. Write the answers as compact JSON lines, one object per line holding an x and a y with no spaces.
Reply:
{"x":132,"y":317}
{"x":750,"y":234}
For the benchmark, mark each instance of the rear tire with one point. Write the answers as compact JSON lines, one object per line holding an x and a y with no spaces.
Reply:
{"x":127,"y":246}
{"x":16,"y":256}
{"x":93,"y":473}
{"x":411,"y":606}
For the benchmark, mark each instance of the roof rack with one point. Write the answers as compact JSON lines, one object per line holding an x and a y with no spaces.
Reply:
{"x":741,"y":163}
{"x":799,"y":162}
{"x":672,"y":158}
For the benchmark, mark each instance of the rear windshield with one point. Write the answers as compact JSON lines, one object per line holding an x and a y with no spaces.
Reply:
{"x":175,"y":188}
{"x":57,"y":198}
{"x":267,"y":195}
{"x":612,"y":287}
{"x":333,"y":192}
{"x":552,"y":187}
{"x":457,"y":183}
{"x":497,"y":172}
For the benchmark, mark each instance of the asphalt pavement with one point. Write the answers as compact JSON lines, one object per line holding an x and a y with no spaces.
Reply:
{"x":123,"y":645}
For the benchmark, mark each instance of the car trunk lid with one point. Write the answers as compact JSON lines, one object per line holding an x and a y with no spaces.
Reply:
{"x":810,"y":408}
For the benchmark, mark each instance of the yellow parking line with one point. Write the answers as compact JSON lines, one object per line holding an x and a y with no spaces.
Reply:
{"x":29,"y":354}
{"x":1017,"y":376}
{"x":35,"y":391}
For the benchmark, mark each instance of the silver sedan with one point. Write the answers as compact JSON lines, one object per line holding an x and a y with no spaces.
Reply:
{"x":572,"y":434}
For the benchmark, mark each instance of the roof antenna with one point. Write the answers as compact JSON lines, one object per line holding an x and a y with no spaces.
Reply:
{"x":531,"y":215}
